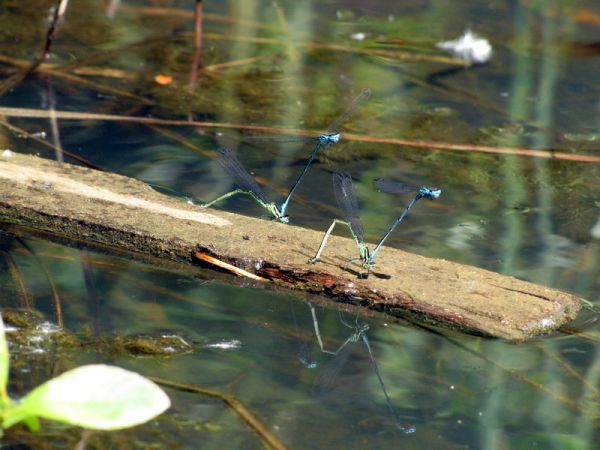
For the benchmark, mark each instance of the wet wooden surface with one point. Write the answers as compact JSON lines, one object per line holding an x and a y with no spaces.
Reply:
{"x":126,"y":214}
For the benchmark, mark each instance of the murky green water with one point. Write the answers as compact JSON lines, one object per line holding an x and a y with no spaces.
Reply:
{"x":294,"y":65}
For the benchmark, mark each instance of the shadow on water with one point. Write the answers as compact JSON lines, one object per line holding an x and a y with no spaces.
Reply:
{"x":512,"y":143}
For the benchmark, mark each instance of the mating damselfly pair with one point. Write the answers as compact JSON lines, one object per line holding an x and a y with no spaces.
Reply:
{"x":248,"y":186}
{"x":346,"y":198}
{"x":342,"y":184}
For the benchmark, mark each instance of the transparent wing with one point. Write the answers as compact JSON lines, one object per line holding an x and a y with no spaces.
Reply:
{"x":279,"y":139}
{"x":344,"y":194}
{"x":333,"y":127}
{"x":326,"y":378}
{"x":394,"y":187}
{"x":353,"y":106}
{"x":229,"y":161}
{"x":397,"y":187}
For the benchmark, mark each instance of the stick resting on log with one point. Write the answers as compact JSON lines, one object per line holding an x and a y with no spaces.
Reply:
{"x":113,"y":210}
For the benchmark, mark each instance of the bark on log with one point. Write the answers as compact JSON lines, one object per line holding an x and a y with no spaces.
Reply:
{"x":108,"y":209}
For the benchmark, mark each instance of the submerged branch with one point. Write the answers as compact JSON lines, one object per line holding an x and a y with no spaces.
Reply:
{"x":232,"y":403}
{"x":197,"y":59}
{"x":15,"y":274}
{"x":58,"y":317}
{"x":558,"y":396}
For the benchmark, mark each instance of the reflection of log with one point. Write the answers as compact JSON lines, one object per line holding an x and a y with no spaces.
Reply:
{"x":113,"y":210}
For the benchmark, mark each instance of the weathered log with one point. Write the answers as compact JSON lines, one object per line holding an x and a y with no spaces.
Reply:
{"x":124,"y":213}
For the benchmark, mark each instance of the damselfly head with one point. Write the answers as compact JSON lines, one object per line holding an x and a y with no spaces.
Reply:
{"x":329,"y":138}
{"x":429,"y":192}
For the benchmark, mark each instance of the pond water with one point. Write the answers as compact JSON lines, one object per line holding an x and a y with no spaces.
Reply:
{"x":295,"y":65}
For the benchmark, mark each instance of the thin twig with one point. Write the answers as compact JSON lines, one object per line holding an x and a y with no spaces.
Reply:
{"x":59,"y":11}
{"x":58,"y":317}
{"x":228,"y":64}
{"x":28,"y":135}
{"x":58,"y":150}
{"x":570,"y":370}
{"x":18,"y":280}
{"x":549,"y":154}
{"x":17,"y":77}
{"x":109,"y":54}
{"x":223,"y":265}
{"x":90,"y":287}
{"x":232,"y":403}
{"x":283,"y":23}
{"x":183,"y":141}
{"x":59,"y":72}
{"x":111,"y":8}
{"x":197,"y":59}
{"x":515,"y":374}
{"x":95,"y":86}
{"x":186,"y":14}
{"x":105,"y":72}
{"x":392,"y":54}
{"x":566,"y":329}
{"x":85,"y":436}
{"x":70,"y":115}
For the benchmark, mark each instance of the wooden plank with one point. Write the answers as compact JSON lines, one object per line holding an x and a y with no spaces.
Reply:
{"x":108,"y":209}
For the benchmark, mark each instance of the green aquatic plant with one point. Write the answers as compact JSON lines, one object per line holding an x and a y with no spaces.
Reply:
{"x":97,"y":396}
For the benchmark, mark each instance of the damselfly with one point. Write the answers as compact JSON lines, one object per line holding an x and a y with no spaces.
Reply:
{"x":326,"y":378}
{"x":346,"y":198}
{"x":248,"y":186}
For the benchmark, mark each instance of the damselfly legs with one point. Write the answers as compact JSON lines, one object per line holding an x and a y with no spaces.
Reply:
{"x":327,"y":374}
{"x":346,"y":198}
{"x":248,"y":186}
{"x":344,"y":194}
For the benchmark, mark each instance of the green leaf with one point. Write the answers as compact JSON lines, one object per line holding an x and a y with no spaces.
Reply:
{"x":4,"y":365}
{"x":32,"y":423}
{"x":98,"y":397}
